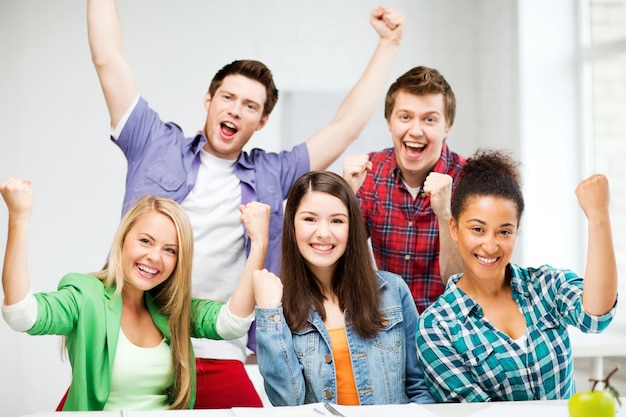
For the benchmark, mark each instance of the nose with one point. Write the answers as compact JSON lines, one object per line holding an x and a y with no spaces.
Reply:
{"x":235,"y":109}
{"x":323,"y":231}
{"x":416,"y":128}
{"x":153,"y":254}
{"x":490,"y":245}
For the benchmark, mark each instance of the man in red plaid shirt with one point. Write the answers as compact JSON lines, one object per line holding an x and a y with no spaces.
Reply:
{"x":405,"y":191}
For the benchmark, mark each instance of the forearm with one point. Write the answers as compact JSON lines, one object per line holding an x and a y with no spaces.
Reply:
{"x":278,"y":363}
{"x":15,"y":272}
{"x":107,"y":54}
{"x":242,"y":301}
{"x":356,"y":110}
{"x":600,"y":281}
{"x":104,"y":31}
{"x":449,"y":258}
{"x":359,"y":105}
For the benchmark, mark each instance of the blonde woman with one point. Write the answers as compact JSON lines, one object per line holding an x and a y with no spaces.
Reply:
{"x":127,"y":327}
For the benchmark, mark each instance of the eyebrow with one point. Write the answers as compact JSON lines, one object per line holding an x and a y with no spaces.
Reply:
{"x":152,"y":237}
{"x":483,"y":223}
{"x":316,"y":214}
{"x":246,"y":100}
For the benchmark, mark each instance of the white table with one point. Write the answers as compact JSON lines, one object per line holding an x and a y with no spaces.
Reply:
{"x":511,"y":409}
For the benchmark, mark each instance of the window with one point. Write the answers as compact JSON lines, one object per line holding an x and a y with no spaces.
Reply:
{"x":604,"y":69}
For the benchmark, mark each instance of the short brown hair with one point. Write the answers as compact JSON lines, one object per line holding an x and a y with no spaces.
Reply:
{"x":421,"y":81}
{"x":254,"y":70}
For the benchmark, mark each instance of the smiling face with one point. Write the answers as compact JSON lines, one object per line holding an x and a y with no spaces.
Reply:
{"x":418,"y":129}
{"x":234,"y":113}
{"x":149,"y":251}
{"x":485,"y":233}
{"x":321,"y":228}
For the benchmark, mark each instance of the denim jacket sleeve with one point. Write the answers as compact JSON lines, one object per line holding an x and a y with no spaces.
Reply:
{"x":416,"y":389}
{"x":278,"y":364}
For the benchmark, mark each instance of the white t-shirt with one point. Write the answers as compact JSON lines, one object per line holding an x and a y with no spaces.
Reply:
{"x":219,"y":254}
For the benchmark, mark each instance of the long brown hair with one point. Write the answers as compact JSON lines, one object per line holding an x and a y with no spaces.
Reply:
{"x":355,"y":282}
{"x":173,"y":296}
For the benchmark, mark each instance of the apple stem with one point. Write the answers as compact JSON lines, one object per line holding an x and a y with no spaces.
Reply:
{"x":605,"y":380}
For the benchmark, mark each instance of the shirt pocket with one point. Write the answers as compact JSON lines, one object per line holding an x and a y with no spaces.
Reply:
{"x":169,"y":177}
{"x":553,"y":335}
{"x":391,"y":335}
{"x":482,"y":361}
{"x":305,"y":342}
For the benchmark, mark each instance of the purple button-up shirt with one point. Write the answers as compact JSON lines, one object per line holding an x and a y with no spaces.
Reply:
{"x":163,"y":162}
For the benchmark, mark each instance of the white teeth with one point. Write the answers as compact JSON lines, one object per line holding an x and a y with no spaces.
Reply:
{"x":486,"y":260}
{"x":230,"y":125}
{"x":323,"y":247}
{"x":414,"y":145}
{"x":147,"y":269}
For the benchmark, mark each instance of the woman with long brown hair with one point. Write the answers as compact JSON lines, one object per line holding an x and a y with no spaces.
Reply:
{"x":344,"y":333}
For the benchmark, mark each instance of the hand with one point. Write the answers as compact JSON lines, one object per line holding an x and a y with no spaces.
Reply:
{"x":355,"y":169}
{"x":268,"y":289}
{"x":593,"y":195}
{"x":255,"y":217}
{"x":18,"y":195}
{"x":439,"y":187}
{"x":388,"y":23}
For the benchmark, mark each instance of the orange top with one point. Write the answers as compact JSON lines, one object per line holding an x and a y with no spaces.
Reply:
{"x":346,"y":387}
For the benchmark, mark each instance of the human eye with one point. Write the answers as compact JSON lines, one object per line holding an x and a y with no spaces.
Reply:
{"x":405,"y":117}
{"x":144,"y":240}
{"x":431,"y":119}
{"x":337,"y":221}
{"x":171,"y":251}
{"x":476,"y":229}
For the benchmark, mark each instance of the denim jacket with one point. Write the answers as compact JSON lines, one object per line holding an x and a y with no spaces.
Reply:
{"x":298,"y":367}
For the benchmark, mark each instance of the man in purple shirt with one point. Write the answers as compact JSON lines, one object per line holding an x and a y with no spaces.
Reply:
{"x":210,"y":175}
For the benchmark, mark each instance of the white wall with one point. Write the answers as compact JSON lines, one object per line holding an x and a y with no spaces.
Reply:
{"x":55,"y":122}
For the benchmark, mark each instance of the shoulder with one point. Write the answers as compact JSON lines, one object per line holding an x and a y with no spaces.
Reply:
{"x":382,"y":155}
{"x":84,"y":282}
{"x":390,"y":279}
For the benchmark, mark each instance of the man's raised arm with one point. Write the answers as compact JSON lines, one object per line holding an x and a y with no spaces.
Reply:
{"x":328,"y":143}
{"x":107,"y":53}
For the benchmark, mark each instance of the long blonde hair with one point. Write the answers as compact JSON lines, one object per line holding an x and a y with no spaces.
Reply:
{"x":173,"y":296}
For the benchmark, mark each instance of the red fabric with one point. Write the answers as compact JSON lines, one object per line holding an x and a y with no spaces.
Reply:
{"x":62,"y":402}
{"x":224,"y":383}
{"x":405,"y":231}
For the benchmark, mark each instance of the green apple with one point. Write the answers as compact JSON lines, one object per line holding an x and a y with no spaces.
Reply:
{"x":591,"y":404}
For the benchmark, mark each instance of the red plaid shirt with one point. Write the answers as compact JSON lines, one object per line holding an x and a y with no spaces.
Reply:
{"x":405,"y":232}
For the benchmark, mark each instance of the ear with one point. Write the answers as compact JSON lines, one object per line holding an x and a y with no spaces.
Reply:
{"x":454,"y":229}
{"x":206,"y":101}
{"x":262,"y":122}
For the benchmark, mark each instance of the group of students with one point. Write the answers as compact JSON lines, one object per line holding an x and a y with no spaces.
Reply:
{"x":438,"y":314}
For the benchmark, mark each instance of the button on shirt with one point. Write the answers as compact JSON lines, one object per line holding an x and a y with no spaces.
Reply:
{"x":465,"y":358}
{"x":404,"y":231}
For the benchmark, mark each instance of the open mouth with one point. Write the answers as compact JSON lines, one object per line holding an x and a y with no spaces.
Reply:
{"x":228,"y":129}
{"x":413,"y":148}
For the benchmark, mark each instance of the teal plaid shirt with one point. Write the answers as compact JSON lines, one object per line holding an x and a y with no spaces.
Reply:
{"x":465,"y":358}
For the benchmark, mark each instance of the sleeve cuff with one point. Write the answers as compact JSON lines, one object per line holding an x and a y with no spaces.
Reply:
{"x":22,"y":315}
{"x":229,"y":326}
{"x":117,"y":131}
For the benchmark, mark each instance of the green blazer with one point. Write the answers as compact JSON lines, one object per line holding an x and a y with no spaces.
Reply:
{"x":89,"y":316}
